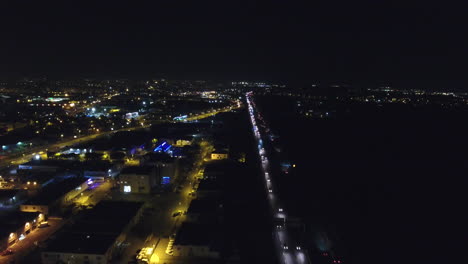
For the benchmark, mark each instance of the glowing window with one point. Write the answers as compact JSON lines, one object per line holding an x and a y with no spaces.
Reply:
{"x":127,"y":188}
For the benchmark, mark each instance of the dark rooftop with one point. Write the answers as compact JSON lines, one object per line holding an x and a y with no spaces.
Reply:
{"x":204,"y":206}
{"x":162,"y":157}
{"x":220,"y":167}
{"x":210,"y":185}
{"x":96,"y":165}
{"x":96,"y":232}
{"x":55,"y":190}
{"x":145,"y":170}
{"x":49,"y":163}
{"x":107,"y":217}
{"x":80,"y":243}
{"x":7,"y":193}
{"x":13,"y":221}
{"x":199,"y":235}
{"x":39,"y":177}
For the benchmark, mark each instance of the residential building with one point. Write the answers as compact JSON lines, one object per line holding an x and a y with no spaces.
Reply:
{"x":136,"y":179}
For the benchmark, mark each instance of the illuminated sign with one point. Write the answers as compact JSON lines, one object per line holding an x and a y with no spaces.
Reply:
{"x":165,"y":180}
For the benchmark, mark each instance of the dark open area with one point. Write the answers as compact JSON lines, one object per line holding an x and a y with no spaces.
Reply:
{"x":385,"y":182}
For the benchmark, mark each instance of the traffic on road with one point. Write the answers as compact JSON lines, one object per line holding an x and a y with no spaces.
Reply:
{"x":288,"y":250}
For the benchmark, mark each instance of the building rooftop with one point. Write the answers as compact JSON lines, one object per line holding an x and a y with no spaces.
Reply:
{"x":219,"y":167}
{"x":55,"y":190}
{"x":204,"y":206}
{"x":98,"y":229}
{"x":107,"y":217}
{"x":143,"y":170}
{"x":96,"y":165}
{"x":209,"y":185}
{"x":13,"y":221}
{"x":39,"y":177}
{"x":199,"y":235}
{"x":48,"y":163}
{"x":80,"y":243}
{"x":158,"y":157}
{"x":8,"y":193}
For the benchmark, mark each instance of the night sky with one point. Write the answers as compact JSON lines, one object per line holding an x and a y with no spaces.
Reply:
{"x":351,"y":41}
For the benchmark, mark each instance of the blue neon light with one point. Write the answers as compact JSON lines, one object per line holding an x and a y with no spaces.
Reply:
{"x":166,"y":180}
{"x":164,"y":147}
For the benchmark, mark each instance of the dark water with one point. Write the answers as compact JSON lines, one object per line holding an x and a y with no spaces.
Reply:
{"x":386,"y":184}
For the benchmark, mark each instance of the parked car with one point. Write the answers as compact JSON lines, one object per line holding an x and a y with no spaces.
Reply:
{"x":43,"y":224}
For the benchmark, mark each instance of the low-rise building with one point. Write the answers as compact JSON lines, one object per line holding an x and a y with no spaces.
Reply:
{"x":198,"y":240}
{"x":94,"y":238}
{"x":10,"y":197}
{"x":39,"y":166}
{"x":205,"y":210}
{"x":217,"y":169}
{"x":184,"y":141}
{"x":209,"y":188}
{"x":219,"y":155}
{"x":220,"y":152}
{"x":99,"y":170}
{"x":16,"y":226}
{"x":55,"y":195}
{"x":136,"y":179}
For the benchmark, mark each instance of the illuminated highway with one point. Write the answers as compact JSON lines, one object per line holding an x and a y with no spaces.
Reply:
{"x":28,"y":155}
{"x":211,"y":113}
{"x":288,"y":250}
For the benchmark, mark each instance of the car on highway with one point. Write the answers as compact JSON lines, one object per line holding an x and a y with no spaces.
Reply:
{"x":285,"y":246}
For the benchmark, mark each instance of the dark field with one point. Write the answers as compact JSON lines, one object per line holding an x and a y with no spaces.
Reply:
{"x":386,"y":183}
